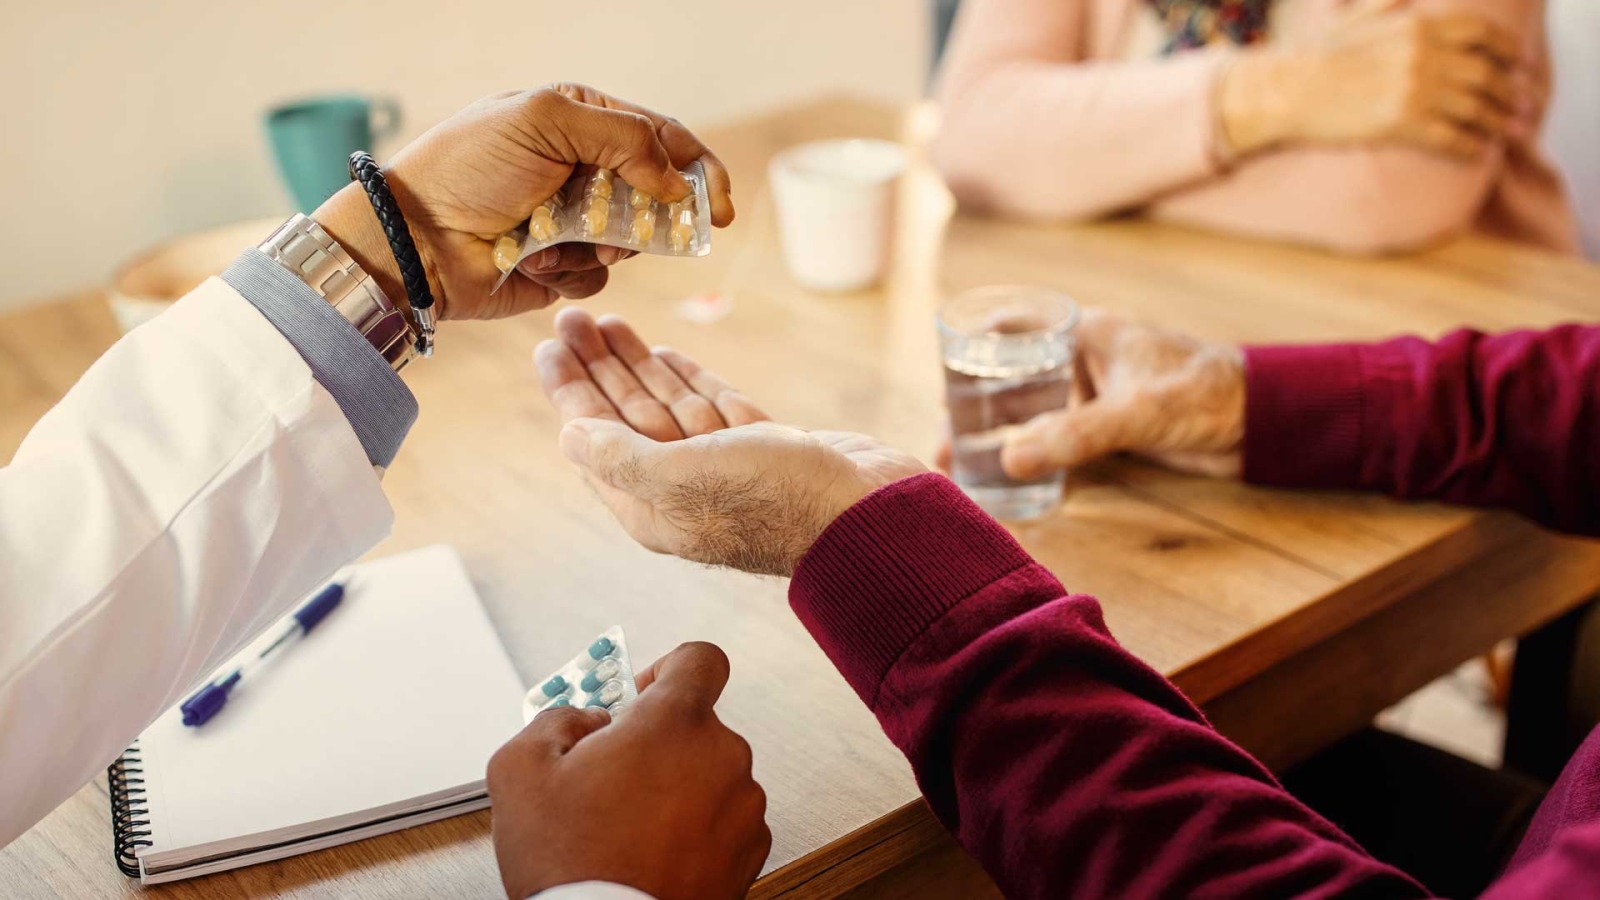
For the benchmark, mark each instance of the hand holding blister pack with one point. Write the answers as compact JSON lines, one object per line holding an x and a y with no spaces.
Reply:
{"x":601,"y":208}
{"x":600,"y":676}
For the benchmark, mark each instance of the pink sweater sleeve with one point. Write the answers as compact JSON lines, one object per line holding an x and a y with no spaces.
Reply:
{"x":1032,"y":129}
{"x":1362,"y":200}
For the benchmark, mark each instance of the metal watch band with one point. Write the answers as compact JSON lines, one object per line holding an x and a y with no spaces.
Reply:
{"x":301,"y":246}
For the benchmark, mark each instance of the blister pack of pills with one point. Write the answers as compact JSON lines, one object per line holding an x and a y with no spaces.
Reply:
{"x":601,"y":208}
{"x":600,"y":676}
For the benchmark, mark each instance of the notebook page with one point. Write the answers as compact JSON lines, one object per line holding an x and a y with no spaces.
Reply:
{"x":402,"y":693}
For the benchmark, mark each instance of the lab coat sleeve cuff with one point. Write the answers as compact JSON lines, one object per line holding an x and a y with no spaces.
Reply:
{"x":379,"y":406}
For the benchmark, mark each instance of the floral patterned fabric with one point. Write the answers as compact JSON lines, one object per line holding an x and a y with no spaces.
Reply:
{"x":1196,"y":23}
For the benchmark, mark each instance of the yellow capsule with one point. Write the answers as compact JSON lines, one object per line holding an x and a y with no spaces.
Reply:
{"x":681,"y":237}
{"x":542,"y":226}
{"x":505,"y":252}
{"x":596,"y":217}
{"x":644,"y":226}
{"x":640,"y":200}
{"x":600,"y":185}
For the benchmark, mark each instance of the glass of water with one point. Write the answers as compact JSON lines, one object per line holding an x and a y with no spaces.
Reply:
{"x":1007,"y":358}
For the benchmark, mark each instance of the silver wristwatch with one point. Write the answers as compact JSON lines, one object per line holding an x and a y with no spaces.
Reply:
{"x":301,"y":246}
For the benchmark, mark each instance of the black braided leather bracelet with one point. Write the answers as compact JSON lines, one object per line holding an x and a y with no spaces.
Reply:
{"x":364,"y":168}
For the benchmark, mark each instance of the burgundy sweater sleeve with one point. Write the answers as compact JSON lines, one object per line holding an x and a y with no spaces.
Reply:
{"x":1510,"y":420}
{"x":1064,"y":764}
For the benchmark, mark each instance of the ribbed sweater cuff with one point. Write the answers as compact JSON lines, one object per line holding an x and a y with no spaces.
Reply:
{"x":889,"y":567}
{"x":1303,"y":412}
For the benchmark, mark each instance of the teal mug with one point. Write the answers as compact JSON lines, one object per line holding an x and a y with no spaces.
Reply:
{"x":313,"y":140}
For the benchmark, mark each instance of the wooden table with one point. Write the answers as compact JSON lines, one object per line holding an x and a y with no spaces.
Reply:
{"x":1292,"y":617}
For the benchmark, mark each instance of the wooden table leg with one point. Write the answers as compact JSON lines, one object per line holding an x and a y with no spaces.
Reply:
{"x":1546,"y":718}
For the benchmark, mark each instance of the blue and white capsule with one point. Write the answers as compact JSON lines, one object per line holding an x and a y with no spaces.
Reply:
{"x":597,"y":651}
{"x":604,"y":671}
{"x":609,"y":693}
{"x":599,"y":676}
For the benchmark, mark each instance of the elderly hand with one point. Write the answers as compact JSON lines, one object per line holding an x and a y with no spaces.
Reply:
{"x":1450,"y":83}
{"x":1154,"y":393}
{"x":480,"y":173}
{"x":567,"y":793}
{"x":688,"y":465}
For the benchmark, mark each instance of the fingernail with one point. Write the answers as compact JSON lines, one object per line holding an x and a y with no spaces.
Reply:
{"x":610,"y":256}
{"x":574,"y":442}
{"x":548,"y":258}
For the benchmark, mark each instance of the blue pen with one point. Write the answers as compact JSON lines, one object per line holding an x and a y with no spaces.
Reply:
{"x":209,"y":700}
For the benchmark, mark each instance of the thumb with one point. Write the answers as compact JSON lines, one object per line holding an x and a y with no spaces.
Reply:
{"x":618,"y":139}
{"x":1069,"y":437}
{"x":611,"y":452}
{"x":700,"y":670}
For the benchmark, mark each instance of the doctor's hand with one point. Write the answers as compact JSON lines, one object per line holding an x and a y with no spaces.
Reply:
{"x":661,"y":800}
{"x":690,"y":466}
{"x":1153,"y":393}
{"x":481,"y":172}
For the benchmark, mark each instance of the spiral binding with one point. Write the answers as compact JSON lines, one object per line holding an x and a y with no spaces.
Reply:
{"x":129,"y":815}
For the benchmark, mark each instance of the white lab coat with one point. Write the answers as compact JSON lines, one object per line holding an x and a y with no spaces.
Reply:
{"x":189,"y":489}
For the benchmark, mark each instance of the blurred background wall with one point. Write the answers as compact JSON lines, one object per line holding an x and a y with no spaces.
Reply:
{"x":1572,"y":126}
{"x":125,"y":124}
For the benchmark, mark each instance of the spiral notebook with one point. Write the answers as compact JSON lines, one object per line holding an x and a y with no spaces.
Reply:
{"x":382,"y":718}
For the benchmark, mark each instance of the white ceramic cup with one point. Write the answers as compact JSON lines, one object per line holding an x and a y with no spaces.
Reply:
{"x":835,"y":204}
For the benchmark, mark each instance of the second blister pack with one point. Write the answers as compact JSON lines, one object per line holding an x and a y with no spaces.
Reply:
{"x":601,"y":675}
{"x":601,"y":208}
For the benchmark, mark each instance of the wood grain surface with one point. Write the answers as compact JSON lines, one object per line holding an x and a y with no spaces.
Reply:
{"x":1294,"y":617}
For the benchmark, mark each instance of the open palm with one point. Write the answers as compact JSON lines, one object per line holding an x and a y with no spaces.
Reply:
{"x":689,"y":465}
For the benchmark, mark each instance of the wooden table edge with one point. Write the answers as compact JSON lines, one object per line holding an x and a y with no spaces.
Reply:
{"x":855,"y":858}
{"x":1235,"y":663}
